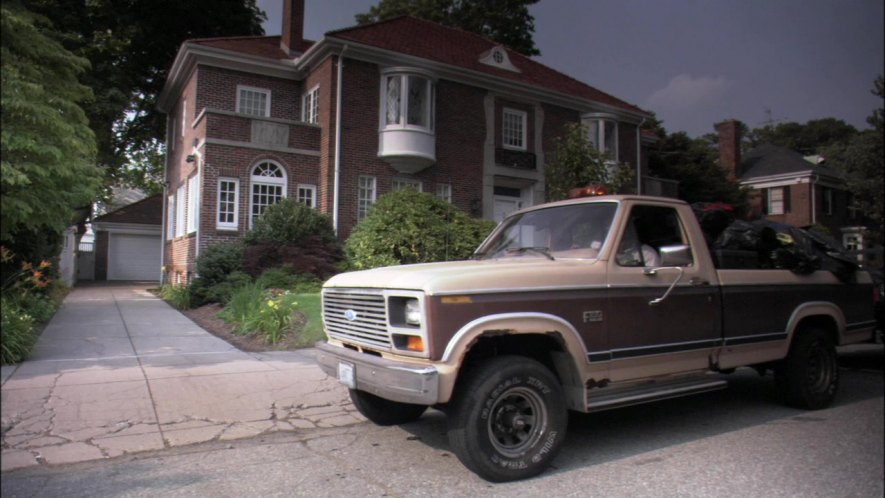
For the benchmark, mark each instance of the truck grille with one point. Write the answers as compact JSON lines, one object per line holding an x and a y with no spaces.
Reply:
{"x":356,"y":318}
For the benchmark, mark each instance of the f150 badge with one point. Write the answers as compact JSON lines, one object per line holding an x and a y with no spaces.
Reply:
{"x":593,"y":316}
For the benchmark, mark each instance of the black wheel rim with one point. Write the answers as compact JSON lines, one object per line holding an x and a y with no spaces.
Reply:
{"x":820,"y":369}
{"x":517,"y":421}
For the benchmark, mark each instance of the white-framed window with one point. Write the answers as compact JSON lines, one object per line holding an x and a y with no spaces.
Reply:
{"x":366,"y":198}
{"x":603,"y":135}
{"x":827,"y":197}
{"x":775,"y":201}
{"x":401,"y":183}
{"x":307,"y":195}
{"x":180,"y":209}
{"x":228,"y":202}
{"x":513,"y":129}
{"x":268,"y":187}
{"x":444,"y":192}
{"x":193,"y":196}
{"x":310,"y":105}
{"x":170,"y":217}
{"x":253,"y":101}
{"x":183,"y":117}
{"x":408,"y":101}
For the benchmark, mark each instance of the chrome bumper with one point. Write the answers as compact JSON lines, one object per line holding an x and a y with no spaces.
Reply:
{"x":388,"y":379}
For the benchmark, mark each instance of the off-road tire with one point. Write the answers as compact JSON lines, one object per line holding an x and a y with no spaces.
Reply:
{"x":809,"y":377}
{"x":508,"y":418}
{"x":385,"y":412}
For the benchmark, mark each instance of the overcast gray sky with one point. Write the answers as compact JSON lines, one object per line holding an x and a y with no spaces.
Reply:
{"x":697,"y":62}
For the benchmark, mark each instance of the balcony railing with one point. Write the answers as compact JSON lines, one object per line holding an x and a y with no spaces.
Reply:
{"x":516,"y":159}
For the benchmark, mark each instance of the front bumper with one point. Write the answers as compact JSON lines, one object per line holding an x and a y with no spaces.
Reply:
{"x":388,"y":379}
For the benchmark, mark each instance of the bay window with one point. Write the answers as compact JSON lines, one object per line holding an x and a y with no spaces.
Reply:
{"x":407,"y":115}
{"x":408,"y":101}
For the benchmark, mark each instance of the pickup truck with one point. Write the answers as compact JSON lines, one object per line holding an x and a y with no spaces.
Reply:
{"x":587,"y":305}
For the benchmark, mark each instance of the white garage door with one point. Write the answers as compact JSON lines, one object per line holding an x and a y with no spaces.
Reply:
{"x":134,"y":257}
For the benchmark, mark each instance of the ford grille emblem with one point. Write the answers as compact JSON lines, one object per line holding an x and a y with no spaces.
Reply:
{"x":350,"y":315}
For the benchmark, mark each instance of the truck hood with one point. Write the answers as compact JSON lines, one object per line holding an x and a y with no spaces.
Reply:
{"x":477,"y":276}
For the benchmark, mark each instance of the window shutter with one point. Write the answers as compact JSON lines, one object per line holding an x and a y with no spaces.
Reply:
{"x":788,"y":194}
{"x":765,"y":201}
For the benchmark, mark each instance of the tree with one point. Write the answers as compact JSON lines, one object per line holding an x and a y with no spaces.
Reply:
{"x":862,"y":162}
{"x":131,"y":45}
{"x":575,"y":162}
{"x":808,"y":138}
{"x":48,"y":150}
{"x":505,"y":21}
{"x":693,"y":162}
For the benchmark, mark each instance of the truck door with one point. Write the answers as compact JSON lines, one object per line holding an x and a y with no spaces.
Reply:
{"x":647,"y":335}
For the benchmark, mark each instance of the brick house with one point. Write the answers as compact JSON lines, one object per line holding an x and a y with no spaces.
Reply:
{"x":789,"y":188}
{"x":366,"y":110}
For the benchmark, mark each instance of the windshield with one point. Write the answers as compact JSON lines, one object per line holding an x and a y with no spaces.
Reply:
{"x":570,"y":231}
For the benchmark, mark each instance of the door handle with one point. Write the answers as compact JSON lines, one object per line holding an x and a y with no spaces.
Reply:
{"x":698,"y":282}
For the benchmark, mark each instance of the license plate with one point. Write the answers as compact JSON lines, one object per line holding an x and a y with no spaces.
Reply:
{"x":346,"y":374}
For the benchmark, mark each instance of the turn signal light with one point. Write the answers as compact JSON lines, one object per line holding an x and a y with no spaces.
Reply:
{"x":415,"y":343}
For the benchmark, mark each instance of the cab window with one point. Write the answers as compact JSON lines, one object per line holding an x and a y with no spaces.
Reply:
{"x":648,"y":229}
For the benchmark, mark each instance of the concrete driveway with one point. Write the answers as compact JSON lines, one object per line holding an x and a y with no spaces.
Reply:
{"x":118,"y":371}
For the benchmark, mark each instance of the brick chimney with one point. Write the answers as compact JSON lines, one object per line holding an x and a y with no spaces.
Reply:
{"x":730,"y":147}
{"x":293,"y":26}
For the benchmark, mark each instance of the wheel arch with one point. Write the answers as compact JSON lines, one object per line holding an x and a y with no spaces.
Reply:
{"x":546,"y":338}
{"x":823,"y":315}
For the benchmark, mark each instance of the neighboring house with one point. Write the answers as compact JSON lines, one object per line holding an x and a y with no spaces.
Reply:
{"x":128,"y":241}
{"x":789,"y":188}
{"x":366,"y":110}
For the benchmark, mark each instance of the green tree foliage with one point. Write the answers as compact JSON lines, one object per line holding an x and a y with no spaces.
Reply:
{"x":408,"y":226}
{"x":694,"y":163}
{"x":131,"y":46}
{"x":807,"y":138}
{"x":575,"y":162}
{"x":505,"y":21}
{"x":862,"y":162}
{"x":48,"y":149}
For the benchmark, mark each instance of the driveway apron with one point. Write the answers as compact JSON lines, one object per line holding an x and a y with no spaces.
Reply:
{"x":118,"y":370}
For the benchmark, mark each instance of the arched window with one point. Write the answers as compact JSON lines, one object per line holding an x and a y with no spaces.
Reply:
{"x":268,"y":187}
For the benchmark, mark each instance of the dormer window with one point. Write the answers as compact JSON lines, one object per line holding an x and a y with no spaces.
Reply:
{"x":498,"y":57}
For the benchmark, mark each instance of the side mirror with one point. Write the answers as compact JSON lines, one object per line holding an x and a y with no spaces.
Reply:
{"x":675,"y":255}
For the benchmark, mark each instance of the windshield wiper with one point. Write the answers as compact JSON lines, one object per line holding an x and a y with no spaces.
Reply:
{"x":540,"y":250}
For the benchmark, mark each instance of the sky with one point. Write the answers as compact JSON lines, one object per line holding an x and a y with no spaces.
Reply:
{"x":695,"y":63}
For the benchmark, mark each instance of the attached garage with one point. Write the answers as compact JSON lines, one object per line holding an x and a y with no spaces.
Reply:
{"x":128,"y":242}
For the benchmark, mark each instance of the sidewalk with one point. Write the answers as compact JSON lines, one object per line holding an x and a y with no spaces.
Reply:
{"x":117,"y":371}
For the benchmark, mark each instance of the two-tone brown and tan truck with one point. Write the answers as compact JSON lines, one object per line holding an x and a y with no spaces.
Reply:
{"x":586,"y":305}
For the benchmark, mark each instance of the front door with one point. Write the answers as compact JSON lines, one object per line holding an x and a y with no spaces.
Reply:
{"x":504,"y":206}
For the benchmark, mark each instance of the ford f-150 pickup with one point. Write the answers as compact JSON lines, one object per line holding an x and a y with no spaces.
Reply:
{"x":586,"y":305}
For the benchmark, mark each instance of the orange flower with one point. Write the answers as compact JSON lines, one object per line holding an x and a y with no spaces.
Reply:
{"x":38,"y":275}
{"x":41,"y":283}
{"x":45,"y":264}
{"x":26,"y":265}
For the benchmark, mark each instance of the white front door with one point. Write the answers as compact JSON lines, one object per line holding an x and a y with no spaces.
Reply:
{"x":504,"y":206}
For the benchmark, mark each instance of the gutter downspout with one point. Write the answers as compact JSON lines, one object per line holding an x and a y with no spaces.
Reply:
{"x":639,"y":157}
{"x":197,"y":153}
{"x":163,"y":224}
{"x":337,"y":181}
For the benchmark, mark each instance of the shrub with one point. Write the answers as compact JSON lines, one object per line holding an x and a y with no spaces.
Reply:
{"x":216,"y":262}
{"x":288,"y":222}
{"x":17,"y":335}
{"x":273,"y":315}
{"x":244,"y":302}
{"x":408,"y":226}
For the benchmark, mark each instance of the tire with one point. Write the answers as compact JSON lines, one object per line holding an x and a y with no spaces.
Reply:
{"x":383,"y":411}
{"x":508,"y":419}
{"x":809,"y":377}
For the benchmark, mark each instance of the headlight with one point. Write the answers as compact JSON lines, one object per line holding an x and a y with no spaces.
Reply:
{"x":413,"y":312}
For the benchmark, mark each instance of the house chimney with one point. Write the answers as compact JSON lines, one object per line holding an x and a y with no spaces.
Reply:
{"x":730,"y":147}
{"x":293,"y":26}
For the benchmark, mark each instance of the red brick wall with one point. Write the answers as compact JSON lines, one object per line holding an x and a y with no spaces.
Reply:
{"x":217,"y":89}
